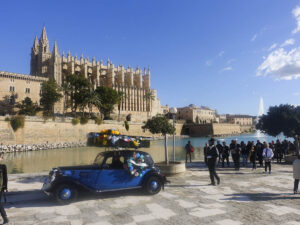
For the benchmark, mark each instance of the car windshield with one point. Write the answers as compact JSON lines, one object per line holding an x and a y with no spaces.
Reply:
{"x":99,"y":159}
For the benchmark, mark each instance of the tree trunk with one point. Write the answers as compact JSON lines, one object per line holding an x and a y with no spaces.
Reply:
{"x":166,"y":149}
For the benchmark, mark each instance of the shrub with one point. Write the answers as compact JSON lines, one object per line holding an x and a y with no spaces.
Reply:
{"x":126,"y":125}
{"x":17,"y":122}
{"x":7,"y":119}
{"x":84,"y":120}
{"x":128,"y":117}
{"x":97,"y":120}
{"x":75,"y":121}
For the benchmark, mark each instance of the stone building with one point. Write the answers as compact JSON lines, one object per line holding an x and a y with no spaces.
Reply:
{"x":196,"y":114}
{"x":134,"y":83}
{"x":243,"y":120}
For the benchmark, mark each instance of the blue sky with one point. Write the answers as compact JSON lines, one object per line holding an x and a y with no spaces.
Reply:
{"x":221,"y":54}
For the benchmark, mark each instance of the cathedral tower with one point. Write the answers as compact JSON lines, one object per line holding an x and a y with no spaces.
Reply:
{"x":40,"y":56}
{"x":34,"y":57}
{"x":55,"y":65}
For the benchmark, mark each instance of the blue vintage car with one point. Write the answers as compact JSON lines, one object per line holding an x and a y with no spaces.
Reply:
{"x":111,"y":171}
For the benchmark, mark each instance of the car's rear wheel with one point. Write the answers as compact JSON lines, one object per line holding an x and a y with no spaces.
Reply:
{"x":66,"y":193}
{"x":152,"y":186}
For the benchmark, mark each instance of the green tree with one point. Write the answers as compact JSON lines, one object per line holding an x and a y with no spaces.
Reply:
{"x":76,"y":88}
{"x":149,"y":97}
{"x":91,"y":99}
{"x":160,"y":125}
{"x":108,"y":98}
{"x":27,"y":107}
{"x":50,"y":94}
{"x":281,"y":119}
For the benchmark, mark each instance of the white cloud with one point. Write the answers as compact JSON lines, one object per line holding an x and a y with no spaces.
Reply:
{"x":272,"y":47}
{"x":281,"y":64}
{"x":221,"y":53}
{"x":287,"y":42}
{"x":296,"y":13}
{"x":228,"y":68}
{"x":208,"y":62}
{"x":254,"y":37}
{"x":229,"y":61}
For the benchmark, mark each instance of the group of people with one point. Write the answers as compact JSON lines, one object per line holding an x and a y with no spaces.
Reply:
{"x":261,"y":152}
{"x":242,"y":153}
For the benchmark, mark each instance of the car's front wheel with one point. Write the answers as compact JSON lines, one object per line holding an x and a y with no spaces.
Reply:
{"x":152,"y":185}
{"x":66,"y":193}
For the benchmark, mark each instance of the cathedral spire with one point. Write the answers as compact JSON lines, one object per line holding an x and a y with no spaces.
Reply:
{"x":35,"y":47}
{"x":44,"y":35}
{"x":55,"y":49}
{"x":44,"y":43}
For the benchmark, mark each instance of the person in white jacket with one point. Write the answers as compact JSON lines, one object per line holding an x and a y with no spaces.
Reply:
{"x":267,"y":155}
{"x":296,"y":173}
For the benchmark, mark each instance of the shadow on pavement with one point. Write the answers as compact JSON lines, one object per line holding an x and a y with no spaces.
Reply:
{"x":244,"y":197}
{"x":187,"y":185}
{"x":37,"y":198}
{"x":30,"y":179}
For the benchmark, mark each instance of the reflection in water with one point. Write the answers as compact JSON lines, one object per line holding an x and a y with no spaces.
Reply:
{"x":39,"y":161}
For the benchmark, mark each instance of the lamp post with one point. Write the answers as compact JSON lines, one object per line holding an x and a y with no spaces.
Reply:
{"x":173,"y":111}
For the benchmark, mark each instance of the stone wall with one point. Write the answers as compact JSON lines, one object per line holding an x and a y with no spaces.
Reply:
{"x":226,"y":129}
{"x":37,"y":131}
{"x":198,"y":130}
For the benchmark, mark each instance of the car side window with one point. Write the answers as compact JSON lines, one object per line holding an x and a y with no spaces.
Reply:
{"x":114,"y":162}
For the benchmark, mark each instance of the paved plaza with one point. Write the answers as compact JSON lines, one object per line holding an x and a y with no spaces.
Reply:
{"x":243,"y":197}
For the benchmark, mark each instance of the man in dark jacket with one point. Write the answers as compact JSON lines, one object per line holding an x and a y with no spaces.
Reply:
{"x":188,"y":151}
{"x":225,"y":154}
{"x":3,"y":187}
{"x":259,"y":150}
{"x":211,"y":156}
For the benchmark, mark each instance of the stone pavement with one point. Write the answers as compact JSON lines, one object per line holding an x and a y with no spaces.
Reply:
{"x":243,"y":197}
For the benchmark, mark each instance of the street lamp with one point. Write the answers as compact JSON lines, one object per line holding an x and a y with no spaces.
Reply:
{"x":173,"y":111}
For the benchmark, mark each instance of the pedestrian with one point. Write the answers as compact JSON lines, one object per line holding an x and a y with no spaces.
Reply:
{"x":278,"y":151}
{"x":220,"y":150}
{"x":296,"y":173}
{"x":235,"y":154}
{"x":232,"y":148}
{"x":205,"y":153}
{"x":188,"y":151}
{"x":259,"y":151}
{"x":225,"y":154}
{"x":244,"y":153}
{"x":3,"y":187}
{"x":267,"y":156}
{"x":212,"y":155}
{"x":253,"y":157}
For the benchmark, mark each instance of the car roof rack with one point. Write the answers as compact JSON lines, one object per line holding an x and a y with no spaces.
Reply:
{"x":113,"y":139}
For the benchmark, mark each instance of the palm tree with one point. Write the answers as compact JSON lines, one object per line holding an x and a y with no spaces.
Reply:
{"x":66,"y":87}
{"x":121,"y":96}
{"x":149,"y":97}
{"x":92,"y":98}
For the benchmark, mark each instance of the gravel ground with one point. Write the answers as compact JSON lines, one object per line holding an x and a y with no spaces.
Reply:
{"x":243,"y":197}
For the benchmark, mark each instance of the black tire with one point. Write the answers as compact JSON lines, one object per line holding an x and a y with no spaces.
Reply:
{"x":152,"y":185}
{"x":65,"y":193}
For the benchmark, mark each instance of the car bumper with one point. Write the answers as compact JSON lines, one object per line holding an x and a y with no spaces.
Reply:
{"x":47,"y":186}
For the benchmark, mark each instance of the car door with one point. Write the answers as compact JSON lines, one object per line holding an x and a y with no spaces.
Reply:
{"x":114,"y":177}
{"x":89,"y":177}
